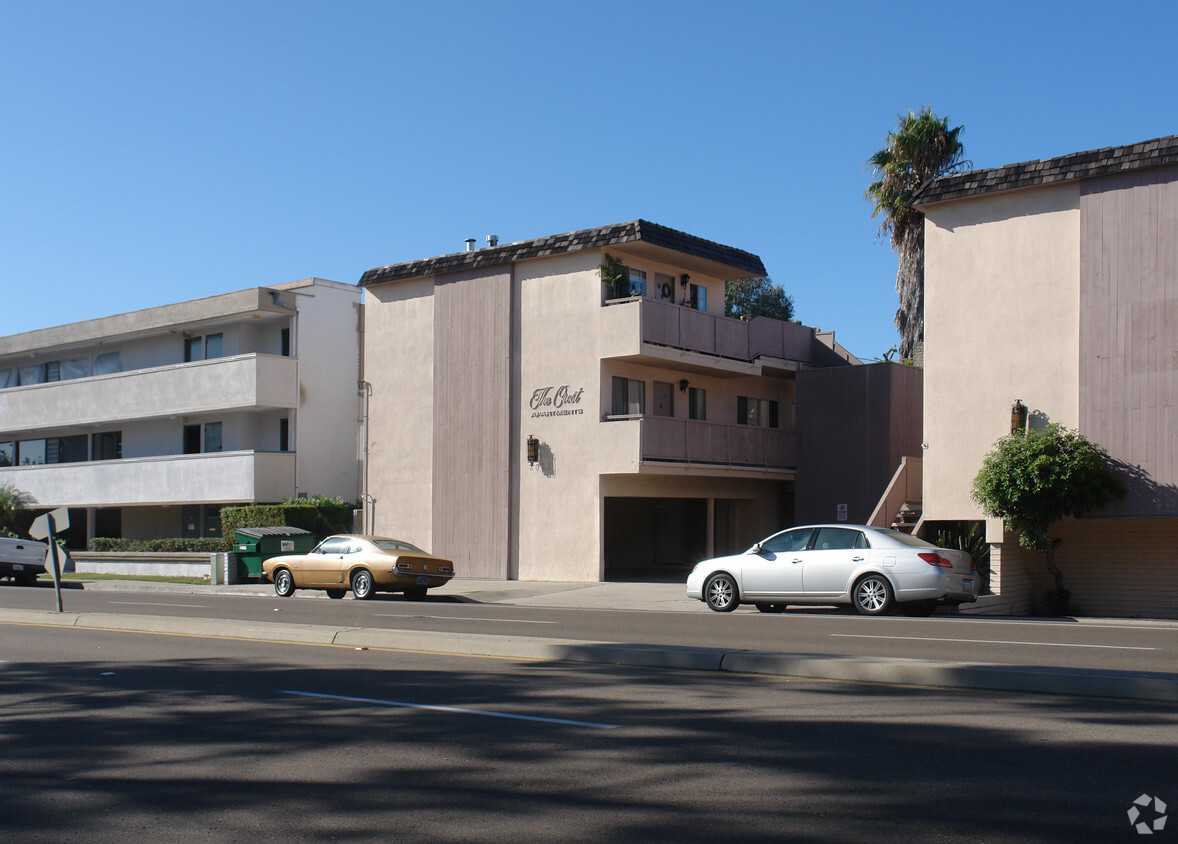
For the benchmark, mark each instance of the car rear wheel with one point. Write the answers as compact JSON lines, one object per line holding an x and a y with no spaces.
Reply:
{"x":336,"y":593}
{"x":918,"y":609}
{"x":872,"y":595}
{"x":763,"y":607}
{"x":26,"y":578}
{"x":363,"y":586}
{"x":721,"y":593}
{"x":283,"y":583}
{"x":415,"y":593}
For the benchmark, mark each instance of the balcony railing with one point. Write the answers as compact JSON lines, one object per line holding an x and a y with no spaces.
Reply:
{"x":678,"y":327}
{"x":226,"y":476}
{"x":693,"y":441}
{"x":240,"y":381}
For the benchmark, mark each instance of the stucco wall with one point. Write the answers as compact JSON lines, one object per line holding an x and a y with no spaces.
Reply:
{"x":1001,"y":323}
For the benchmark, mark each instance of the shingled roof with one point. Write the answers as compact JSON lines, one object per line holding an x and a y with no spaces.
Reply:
{"x":634,"y":231}
{"x":1066,"y":168}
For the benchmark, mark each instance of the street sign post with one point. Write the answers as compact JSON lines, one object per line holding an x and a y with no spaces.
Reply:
{"x":46,"y":527}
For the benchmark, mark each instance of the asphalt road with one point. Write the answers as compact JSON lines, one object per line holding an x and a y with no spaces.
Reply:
{"x":109,"y":737}
{"x":1041,"y":643}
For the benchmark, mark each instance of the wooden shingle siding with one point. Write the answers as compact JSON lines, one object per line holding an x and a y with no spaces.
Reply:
{"x":472,"y":421}
{"x":1129,"y":331}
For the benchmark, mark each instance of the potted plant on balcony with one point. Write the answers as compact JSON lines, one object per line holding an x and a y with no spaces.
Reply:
{"x":615,"y":275}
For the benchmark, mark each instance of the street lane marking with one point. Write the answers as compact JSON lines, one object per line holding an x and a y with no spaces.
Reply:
{"x":461,"y":618}
{"x":155,"y":604}
{"x":456,"y":709}
{"x":992,"y":642}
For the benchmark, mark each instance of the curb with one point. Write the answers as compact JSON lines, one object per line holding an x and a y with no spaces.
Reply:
{"x":1127,"y":685}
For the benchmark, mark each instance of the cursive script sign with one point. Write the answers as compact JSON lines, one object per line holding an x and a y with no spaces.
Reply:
{"x":556,"y":401}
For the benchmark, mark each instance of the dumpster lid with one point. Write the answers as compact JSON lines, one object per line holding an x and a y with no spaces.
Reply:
{"x":273,"y":531}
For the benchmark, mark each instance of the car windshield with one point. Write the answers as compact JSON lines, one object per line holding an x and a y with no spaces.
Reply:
{"x":395,"y":545}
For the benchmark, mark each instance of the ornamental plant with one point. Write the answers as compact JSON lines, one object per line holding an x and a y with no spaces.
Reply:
{"x":1033,"y":479}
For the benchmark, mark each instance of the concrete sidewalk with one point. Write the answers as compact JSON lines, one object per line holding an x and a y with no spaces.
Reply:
{"x":660,"y":597}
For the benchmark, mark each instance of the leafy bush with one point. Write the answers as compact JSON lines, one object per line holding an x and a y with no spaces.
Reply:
{"x":191,"y":545}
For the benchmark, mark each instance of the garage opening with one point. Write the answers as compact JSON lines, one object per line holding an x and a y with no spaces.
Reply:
{"x":654,"y":539}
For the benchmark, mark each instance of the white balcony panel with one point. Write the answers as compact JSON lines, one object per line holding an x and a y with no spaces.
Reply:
{"x":228,"y":476}
{"x":229,"y":383}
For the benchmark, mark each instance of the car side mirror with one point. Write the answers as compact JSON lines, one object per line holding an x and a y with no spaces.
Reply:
{"x":756,"y":549}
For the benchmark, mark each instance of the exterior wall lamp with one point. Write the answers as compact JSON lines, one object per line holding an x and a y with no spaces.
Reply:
{"x":683,"y":385}
{"x":683,"y":279}
{"x":533,"y":451}
{"x":1018,"y":416}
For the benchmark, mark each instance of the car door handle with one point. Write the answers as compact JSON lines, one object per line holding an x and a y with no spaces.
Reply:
{"x":795,"y":562}
{"x":857,"y":559}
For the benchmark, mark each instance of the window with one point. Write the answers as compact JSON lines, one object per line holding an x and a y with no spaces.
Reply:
{"x":66,"y":449}
{"x":838,"y":539}
{"x":637,"y":282}
{"x":212,"y":436}
{"x":8,"y":454}
{"x":53,"y":371}
{"x":31,"y":452}
{"x":699,"y":297}
{"x":759,"y":412}
{"x":284,"y":343}
{"x":284,"y":435}
{"x":697,"y":403}
{"x":629,"y":397}
{"x":788,"y":542}
{"x":203,"y":348}
{"x":107,"y":446}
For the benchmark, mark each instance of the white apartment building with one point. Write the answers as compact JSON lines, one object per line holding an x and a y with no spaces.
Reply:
{"x":146,"y":423}
{"x":531,"y":424}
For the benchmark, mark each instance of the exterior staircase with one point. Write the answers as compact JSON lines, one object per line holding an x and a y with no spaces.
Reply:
{"x":900,"y":506}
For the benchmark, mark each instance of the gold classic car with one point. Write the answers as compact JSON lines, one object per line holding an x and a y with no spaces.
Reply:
{"x":364,"y":564}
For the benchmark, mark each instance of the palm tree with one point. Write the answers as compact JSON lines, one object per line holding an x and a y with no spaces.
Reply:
{"x":11,"y":500}
{"x":922,"y":147}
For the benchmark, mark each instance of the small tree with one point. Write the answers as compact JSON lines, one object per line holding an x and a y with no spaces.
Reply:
{"x":1033,"y":479}
{"x":745,"y":298}
{"x":11,"y":501}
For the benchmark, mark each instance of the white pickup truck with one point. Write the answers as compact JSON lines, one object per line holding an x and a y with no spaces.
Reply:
{"x":22,"y":559}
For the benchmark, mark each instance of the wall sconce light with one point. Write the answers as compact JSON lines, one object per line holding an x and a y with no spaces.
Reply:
{"x":683,"y":279}
{"x":683,"y":385}
{"x":533,"y":451}
{"x":1018,"y":416}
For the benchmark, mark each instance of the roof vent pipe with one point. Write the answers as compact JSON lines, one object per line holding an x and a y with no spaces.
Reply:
{"x":470,"y":244}
{"x":492,"y":240}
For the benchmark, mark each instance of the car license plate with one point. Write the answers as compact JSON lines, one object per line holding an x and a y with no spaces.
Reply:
{"x":18,"y":567}
{"x":967,"y":584}
{"x":423,"y":581}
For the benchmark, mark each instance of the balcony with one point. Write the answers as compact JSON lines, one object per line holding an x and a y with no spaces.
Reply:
{"x":227,"y":476}
{"x":693,"y":442}
{"x":729,"y":342}
{"x":237,"y":382}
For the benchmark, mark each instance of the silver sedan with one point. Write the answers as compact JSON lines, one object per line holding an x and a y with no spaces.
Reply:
{"x":872,"y":569}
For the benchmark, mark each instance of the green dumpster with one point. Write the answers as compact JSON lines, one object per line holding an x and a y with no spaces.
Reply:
{"x":257,"y":544}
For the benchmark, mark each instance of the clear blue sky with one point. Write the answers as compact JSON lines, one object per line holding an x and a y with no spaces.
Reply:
{"x":160,"y":151}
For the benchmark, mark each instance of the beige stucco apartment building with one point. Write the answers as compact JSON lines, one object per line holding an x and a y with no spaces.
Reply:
{"x":1055,"y":282}
{"x":531,"y":424}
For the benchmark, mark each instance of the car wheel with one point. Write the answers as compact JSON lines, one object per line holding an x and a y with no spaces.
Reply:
{"x":283,"y":583}
{"x":363,"y":586}
{"x":26,"y":578}
{"x":918,"y":609}
{"x":336,"y":593}
{"x":763,"y":607}
{"x":872,"y":595}
{"x":415,"y":593}
{"x":721,"y":593}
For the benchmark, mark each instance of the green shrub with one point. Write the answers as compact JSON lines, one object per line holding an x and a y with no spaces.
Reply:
{"x":191,"y":545}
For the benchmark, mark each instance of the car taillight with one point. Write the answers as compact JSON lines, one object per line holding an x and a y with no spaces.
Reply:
{"x":935,"y":560}
{"x":404,"y":565}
